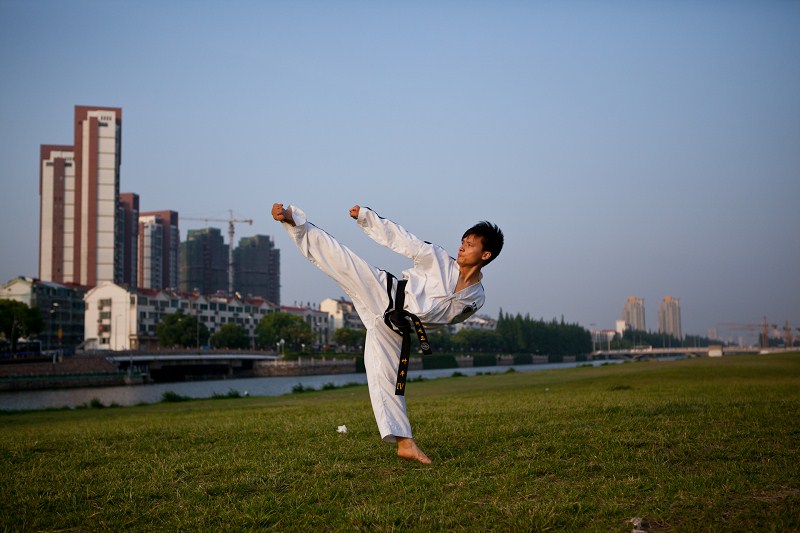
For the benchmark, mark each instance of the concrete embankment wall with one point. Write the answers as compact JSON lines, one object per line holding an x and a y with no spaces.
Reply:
{"x":70,"y":372}
{"x":308,"y":367}
{"x":96,"y":371}
{"x":316,"y":367}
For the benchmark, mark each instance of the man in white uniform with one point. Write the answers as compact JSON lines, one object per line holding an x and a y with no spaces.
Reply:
{"x":438,"y":290}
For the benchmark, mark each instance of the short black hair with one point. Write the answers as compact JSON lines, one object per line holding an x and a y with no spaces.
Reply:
{"x":490,"y":235}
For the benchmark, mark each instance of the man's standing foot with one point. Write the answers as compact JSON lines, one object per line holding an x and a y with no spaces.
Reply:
{"x":408,"y":449}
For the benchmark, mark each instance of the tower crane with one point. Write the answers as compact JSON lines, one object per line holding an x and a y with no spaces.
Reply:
{"x":231,"y":221}
{"x":762,"y":330}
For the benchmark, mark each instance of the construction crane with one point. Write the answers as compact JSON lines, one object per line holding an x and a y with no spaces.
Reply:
{"x":788,"y":337}
{"x":762,"y":330}
{"x":231,"y":221}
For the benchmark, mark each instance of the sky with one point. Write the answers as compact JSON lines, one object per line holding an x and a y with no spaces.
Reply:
{"x":626,"y":148}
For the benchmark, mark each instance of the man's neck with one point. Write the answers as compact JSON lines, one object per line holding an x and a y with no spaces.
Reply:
{"x":468,"y":276}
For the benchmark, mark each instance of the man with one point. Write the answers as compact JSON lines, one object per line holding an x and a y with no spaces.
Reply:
{"x":438,"y":290}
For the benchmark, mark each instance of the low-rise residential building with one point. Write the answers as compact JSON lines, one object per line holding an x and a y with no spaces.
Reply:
{"x":342,"y":314}
{"x":120,"y":319}
{"x":61,"y":307}
{"x":318,"y":320}
{"x":480,"y":322}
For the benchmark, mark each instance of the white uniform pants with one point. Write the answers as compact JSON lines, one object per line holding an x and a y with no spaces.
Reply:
{"x":366,"y":286}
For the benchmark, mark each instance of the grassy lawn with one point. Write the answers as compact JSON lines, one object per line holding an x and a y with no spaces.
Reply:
{"x":693,"y":445}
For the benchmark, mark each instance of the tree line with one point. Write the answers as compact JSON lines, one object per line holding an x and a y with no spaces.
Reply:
{"x":516,"y":334}
{"x":632,"y":337}
{"x":290,"y":334}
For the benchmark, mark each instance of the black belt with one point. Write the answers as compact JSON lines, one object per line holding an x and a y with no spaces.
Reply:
{"x":397,"y":319}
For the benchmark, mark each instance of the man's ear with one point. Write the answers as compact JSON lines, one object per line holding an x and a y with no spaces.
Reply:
{"x":486,"y":255}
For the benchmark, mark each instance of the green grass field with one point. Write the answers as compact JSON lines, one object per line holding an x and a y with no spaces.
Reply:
{"x":692,"y":445}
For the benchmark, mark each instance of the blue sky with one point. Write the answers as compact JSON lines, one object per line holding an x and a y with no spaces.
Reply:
{"x":626,"y":148}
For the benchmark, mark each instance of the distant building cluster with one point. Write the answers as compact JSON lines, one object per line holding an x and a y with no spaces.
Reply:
{"x":669,"y":316}
{"x":92,"y":234}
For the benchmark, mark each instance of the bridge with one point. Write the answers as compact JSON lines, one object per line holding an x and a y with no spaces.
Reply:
{"x":705,"y":351}
{"x":178,"y":367}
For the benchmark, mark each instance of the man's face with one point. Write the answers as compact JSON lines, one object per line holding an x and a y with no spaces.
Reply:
{"x":471,"y":252}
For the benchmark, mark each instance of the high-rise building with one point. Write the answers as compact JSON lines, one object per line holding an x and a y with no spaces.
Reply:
{"x":128,"y":235}
{"x":159,"y":245}
{"x":256,"y":267}
{"x":151,"y":246}
{"x":79,"y":194}
{"x":633,"y":313}
{"x":204,"y":262}
{"x":669,"y":317}
{"x":56,"y":213}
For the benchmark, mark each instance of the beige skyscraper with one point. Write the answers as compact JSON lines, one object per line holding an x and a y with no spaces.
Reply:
{"x":79,"y":194}
{"x":633,"y":313}
{"x":669,"y":317}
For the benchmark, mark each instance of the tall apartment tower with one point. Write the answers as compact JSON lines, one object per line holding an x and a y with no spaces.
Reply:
{"x":56,"y":213}
{"x":159,"y":245}
{"x":128,"y":235}
{"x":204,"y":262}
{"x":79,"y":194}
{"x":633,"y":313}
{"x":257,"y":268}
{"x":669,"y":317}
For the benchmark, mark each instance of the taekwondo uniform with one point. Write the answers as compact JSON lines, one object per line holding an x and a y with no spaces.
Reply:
{"x":429,"y":294}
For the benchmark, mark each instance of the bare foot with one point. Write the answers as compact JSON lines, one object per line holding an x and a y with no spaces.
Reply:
{"x":408,"y":449}
{"x":282,"y":215}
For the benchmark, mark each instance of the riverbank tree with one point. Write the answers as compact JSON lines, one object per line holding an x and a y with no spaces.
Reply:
{"x":231,"y":336}
{"x":18,"y":320}
{"x":181,"y":330}
{"x":286,"y":327}
{"x":350,"y":339}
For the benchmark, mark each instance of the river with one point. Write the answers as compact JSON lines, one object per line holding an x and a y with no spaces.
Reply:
{"x":269,"y":386}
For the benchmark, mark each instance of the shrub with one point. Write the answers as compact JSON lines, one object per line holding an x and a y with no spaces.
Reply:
{"x":96,"y":404}
{"x":230,"y":394}
{"x":171,"y":396}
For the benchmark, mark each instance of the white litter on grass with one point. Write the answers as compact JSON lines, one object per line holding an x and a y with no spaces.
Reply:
{"x":342,"y":429}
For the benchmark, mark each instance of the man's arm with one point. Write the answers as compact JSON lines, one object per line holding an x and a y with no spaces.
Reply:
{"x":387,"y":233}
